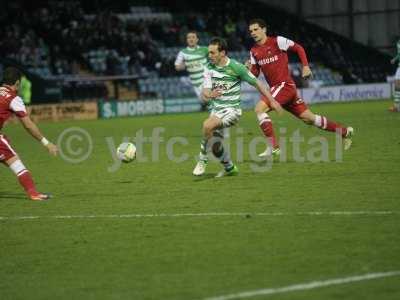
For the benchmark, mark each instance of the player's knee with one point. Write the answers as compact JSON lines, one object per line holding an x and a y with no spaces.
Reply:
{"x":307,"y":120}
{"x":207,"y":127}
{"x":11,"y":160}
{"x":258,"y":110}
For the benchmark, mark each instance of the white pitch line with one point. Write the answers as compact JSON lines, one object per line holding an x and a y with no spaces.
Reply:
{"x":305,"y":286}
{"x":206,"y":214}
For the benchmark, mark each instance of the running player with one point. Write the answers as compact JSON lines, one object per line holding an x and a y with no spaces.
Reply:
{"x":269,"y":55}
{"x":396,"y":104}
{"x":11,"y":104}
{"x":221,"y":88}
{"x":193,"y":58}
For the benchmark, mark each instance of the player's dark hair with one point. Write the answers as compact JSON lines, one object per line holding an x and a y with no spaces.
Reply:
{"x":11,"y":75}
{"x":221,"y":43}
{"x":192,"y":31}
{"x":260,"y":22}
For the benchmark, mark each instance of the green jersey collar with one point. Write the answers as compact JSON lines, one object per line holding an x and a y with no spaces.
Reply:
{"x":192,"y":49}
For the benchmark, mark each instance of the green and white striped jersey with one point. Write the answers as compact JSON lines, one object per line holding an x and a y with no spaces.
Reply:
{"x":398,"y":52}
{"x":227,"y":79}
{"x":194,"y":59}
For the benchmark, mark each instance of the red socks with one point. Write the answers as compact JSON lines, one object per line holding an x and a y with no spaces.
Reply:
{"x":25,"y":179}
{"x":267,"y":128}
{"x":325,"y":124}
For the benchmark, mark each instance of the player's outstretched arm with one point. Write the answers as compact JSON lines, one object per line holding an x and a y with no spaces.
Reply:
{"x":286,"y":44}
{"x":31,"y":127}
{"x":247,"y":76}
{"x":301,"y":53}
{"x":262,"y":88}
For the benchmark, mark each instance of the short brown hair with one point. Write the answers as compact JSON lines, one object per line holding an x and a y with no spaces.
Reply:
{"x":11,"y":75}
{"x":260,"y":22}
{"x":220,"y":42}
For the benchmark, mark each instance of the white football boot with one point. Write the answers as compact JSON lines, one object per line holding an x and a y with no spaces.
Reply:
{"x":270,"y":152}
{"x":200,"y":168}
{"x":347,"y":141}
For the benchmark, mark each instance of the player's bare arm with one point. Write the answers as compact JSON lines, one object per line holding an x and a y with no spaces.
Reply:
{"x":272,"y":102}
{"x":31,"y":127}
{"x":180,"y":67}
{"x":301,"y":53}
{"x":247,"y":63}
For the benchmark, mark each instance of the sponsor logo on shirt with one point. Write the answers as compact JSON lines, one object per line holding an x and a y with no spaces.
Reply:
{"x":268,"y":60}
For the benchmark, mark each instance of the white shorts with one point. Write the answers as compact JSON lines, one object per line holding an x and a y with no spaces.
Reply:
{"x":397,"y":75}
{"x":229,"y":116}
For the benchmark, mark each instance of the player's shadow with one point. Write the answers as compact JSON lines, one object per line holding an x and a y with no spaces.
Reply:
{"x":287,"y":161}
{"x":261,"y":162}
{"x":124,"y":182}
{"x":207,"y":176}
{"x":12,"y":196}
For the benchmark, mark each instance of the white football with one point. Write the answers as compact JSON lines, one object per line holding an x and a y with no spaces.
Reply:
{"x":126,"y":152}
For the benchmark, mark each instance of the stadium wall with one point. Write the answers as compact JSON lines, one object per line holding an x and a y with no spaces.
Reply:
{"x":347,"y":93}
{"x":112,"y":109}
{"x":62,"y":112}
{"x":344,"y":93}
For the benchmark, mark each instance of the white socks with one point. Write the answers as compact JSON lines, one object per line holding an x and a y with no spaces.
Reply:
{"x":18,"y":168}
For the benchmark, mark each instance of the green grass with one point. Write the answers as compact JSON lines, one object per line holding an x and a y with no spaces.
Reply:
{"x":193,"y":257}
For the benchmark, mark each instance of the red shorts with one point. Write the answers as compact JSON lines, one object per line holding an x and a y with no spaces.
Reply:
{"x":6,"y":151}
{"x":286,"y":95}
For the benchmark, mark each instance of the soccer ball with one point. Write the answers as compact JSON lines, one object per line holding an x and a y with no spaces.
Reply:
{"x":126,"y":152}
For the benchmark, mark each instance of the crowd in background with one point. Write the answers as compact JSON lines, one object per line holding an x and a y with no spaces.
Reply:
{"x":67,"y":37}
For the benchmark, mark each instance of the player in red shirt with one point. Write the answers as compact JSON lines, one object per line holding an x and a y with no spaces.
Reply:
{"x":11,"y":104}
{"x":269,"y":56}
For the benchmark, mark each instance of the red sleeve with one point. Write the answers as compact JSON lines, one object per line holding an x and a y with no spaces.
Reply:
{"x":300,"y":53}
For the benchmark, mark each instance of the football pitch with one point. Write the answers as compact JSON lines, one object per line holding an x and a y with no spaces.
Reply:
{"x":150,"y":230}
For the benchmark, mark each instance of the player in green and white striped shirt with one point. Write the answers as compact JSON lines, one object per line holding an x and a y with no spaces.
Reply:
{"x":222,"y":89}
{"x":193,"y":58}
{"x":396,"y":106}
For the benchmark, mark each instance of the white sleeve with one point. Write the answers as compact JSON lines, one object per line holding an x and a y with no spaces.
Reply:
{"x":252,"y":59}
{"x":207,"y":83}
{"x":18,"y":106}
{"x":179,"y":59}
{"x":284,"y":43}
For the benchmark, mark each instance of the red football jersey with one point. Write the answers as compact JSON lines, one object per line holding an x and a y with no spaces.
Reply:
{"x":10,"y":104}
{"x":272,"y":59}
